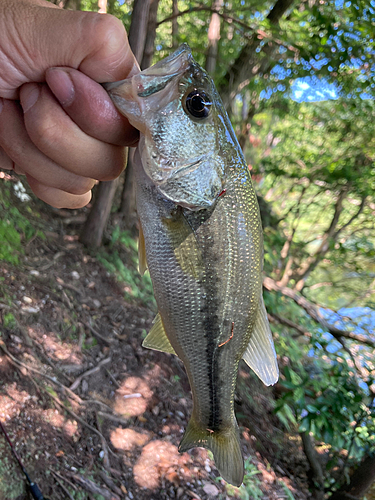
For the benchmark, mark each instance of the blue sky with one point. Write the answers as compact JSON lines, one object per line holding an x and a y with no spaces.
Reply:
{"x":312,"y":89}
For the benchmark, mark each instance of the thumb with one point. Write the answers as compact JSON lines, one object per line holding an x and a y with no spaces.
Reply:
{"x":36,"y":35}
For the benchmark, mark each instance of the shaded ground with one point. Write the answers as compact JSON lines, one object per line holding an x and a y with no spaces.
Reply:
{"x":93,"y":413}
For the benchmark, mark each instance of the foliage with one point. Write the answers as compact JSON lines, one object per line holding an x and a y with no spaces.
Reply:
{"x":121,"y":259}
{"x":9,"y":321}
{"x":15,"y":227}
{"x":250,"y":489}
{"x":314,"y":164}
{"x":11,"y":486}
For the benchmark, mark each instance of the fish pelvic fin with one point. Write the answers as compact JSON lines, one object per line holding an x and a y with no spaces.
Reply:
{"x":224,"y":444}
{"x":157,"y":338}
{"x":260,"y":353}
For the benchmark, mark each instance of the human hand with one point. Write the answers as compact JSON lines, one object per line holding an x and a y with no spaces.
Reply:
{"x":57,"y":124}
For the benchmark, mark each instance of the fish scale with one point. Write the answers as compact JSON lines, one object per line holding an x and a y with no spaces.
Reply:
{"x":202,"y":236}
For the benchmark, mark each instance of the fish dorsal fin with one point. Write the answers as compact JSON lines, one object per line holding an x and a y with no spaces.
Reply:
{"x":157,"y":338}
{"x":260,"y":353}
{"x":142,"y":262}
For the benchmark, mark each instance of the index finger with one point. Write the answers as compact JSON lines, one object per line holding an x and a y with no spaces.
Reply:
{"x":90,"y":107}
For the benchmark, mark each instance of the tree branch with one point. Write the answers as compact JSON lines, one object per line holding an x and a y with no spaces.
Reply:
{"x":202,"y":8}
{"x":247,"y":63}
{"x":288,"y":322}
{"x":313,"y":311}
{"x":352,"y":219}
{"x":311,"y":262}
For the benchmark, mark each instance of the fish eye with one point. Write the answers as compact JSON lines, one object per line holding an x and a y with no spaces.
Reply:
{"x":197,"y":104}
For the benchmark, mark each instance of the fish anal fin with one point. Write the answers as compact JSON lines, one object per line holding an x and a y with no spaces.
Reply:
{"x":225,"y":447}
{"x":142,"y":262}
{"x":260,"y":353}
{"x":157,"y":338}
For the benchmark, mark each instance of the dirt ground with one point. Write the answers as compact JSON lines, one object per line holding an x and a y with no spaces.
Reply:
{"x":94,"y":415}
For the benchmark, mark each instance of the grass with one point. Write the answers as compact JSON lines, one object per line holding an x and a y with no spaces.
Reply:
{"x":120,"y":258}
{"x":12,"y":485}
{"x":15,"y":228}
{"x":250,"y":489}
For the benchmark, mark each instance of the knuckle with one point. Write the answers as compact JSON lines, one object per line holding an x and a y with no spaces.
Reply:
{"x":79,"y":186}
{"x":114,"y":167}
{"x":45,"y":133}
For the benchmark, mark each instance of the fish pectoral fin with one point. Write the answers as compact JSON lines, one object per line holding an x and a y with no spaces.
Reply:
{"x":142,"y":262}
{"x":157,"y":338}
{"x":188,"y":256}
{"x":225,"y":447}
{"x":260,"y":353}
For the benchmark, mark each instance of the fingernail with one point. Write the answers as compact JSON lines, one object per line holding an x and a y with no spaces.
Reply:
{"x":61,"y":84}
{"x":1,"y":104}
{"x":29,"y":95}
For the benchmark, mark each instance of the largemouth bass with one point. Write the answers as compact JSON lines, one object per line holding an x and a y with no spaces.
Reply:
{"x":201,"y":239}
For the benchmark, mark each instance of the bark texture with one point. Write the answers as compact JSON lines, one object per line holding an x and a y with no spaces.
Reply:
{"x":138,"y":27}
{"x":93,"y":230}
{"x":175,"y":24}
{"x":316,"y":472}
{"x":149,"y":48}
{"x":137,"y":41}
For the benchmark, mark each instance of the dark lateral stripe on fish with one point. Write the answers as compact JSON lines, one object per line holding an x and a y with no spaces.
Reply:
{"x":211,"y":330}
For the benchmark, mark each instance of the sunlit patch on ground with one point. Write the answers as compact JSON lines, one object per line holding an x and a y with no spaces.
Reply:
{"x":132,"y":397}
{"x":127,"y":439}
{"x":161,"y":460}
{"x":172,"y":429}
{"x":53,"y":417}
{"x":13,"y":401}
{"x":54,"y":347}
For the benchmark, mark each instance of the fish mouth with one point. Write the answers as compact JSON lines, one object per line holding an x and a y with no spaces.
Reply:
{"x":163,"y":72}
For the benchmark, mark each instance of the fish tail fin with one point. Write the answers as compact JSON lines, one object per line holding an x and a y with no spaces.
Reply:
{"x":224,"y":444}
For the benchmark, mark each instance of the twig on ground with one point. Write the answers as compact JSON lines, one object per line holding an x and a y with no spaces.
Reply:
{"x":108,"y":481}
{"x":95,"y":401}
{"x":113,"y":378}
{"x":64,"y":479}
{"x":114,"y":418}
{"x":4,"y":306}
{"x":68,"y":495}
{"x":106,"y":461}
{"x":98,"y":336}
{"x":70,"y":287}
{"x":92,"y":487}
{"x":96,"y":368}
{"x":77,"y":417}
{"x":28,"y":367}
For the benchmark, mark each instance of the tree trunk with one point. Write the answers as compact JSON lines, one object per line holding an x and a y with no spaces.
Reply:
{"x":137,"y":40}
{"x":138,"y":27}
{"x":93,"y":229}
{"x":360,"y":481}
{"x":128,"y":202}
{"x":316,"y":478}
{"x":213,"y":38}
{"x":149,"y":49}
{"x":174,"y":24}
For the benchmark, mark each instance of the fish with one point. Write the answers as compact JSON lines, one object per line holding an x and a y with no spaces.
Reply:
{"x":201,"y":240}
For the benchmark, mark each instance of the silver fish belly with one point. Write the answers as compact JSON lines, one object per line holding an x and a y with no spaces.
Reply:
{"x":203,"y":245}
